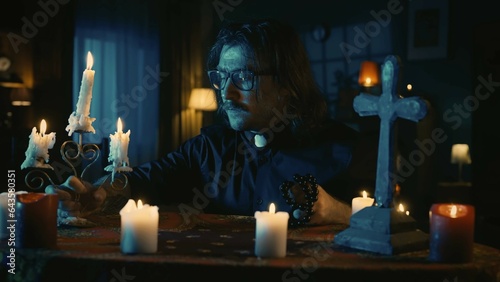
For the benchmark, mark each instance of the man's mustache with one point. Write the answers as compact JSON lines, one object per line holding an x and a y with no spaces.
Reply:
{"x":233,"y":106}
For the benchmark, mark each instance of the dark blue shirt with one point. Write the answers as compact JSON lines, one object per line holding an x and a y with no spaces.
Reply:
{"x":222,"y":171}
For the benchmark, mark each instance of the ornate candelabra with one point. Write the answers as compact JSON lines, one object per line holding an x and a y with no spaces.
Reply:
{"x":74,"y":154}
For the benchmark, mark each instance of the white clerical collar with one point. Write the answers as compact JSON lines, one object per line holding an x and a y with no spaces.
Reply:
{"x":259,"y":140}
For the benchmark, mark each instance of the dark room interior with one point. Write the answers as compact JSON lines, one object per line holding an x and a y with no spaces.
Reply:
{"x":148,"y":56}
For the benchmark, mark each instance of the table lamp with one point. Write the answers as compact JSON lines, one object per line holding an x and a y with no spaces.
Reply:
{"x":21,"y":96}
{"x":202,"y":99}
{"x":369,"y":74}
{"x":460,"y":155}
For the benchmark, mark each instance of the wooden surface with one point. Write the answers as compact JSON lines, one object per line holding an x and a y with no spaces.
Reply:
{"x":220,"y":248}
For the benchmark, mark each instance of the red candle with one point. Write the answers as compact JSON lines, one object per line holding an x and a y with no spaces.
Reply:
{"x":36,"y":225}
{"x":451,"y":232}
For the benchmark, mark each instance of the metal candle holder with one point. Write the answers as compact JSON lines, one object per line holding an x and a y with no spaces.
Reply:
{"x":72,"y":153}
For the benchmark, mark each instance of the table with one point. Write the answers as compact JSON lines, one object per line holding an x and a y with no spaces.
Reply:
{"x":220,"y":247}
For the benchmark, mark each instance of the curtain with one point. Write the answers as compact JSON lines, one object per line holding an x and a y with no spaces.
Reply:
{"x":186,"y":35}
{"x":123,"y":37}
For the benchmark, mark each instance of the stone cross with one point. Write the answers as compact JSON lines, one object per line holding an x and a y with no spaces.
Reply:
{"x":388,"y":106}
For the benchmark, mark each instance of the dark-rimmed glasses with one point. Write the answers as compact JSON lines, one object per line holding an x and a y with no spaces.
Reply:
{"x":242,"y":79}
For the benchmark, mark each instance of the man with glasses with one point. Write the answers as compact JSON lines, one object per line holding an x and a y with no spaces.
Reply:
{"x":278,"y":145}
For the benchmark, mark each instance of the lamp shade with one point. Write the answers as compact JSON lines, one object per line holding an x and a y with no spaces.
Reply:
{"x":369,"y":74}
{"x":203,"y":99}
{"x":460,"y":154}
{"x":20,"y":96}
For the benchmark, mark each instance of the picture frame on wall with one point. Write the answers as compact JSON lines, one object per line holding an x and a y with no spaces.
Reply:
{"x":428,"y":29}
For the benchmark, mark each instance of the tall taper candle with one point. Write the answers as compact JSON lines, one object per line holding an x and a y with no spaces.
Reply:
{"x":80,"y":120}
{"x":85,"y":96}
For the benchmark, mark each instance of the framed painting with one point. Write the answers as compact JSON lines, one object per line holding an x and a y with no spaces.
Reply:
{"x":428,"y":28}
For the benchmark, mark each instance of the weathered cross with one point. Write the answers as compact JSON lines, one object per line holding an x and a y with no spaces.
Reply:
{"x":388,"y":106}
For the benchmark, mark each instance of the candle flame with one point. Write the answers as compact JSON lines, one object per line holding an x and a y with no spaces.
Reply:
{"x":368,"y":81}
{"x":453,"y":211}
{"x":139,"y":204}
{"x":90,"y":60}
{"x":43,"y":127}
{"x":119,"y":125}
{"x":401,"y":208}
{"x":365,"y":195}
{"x":272,"y":208}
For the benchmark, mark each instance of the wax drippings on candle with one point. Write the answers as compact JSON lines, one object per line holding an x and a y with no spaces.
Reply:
{"x":272,"y":208}
{"x":139,"y":204}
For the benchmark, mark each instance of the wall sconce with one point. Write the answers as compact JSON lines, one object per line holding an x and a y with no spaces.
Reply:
{"x":369,"y":74}
{"x":21,"y":96}
{"x":203,"y":99}
{"x":460,"y":155}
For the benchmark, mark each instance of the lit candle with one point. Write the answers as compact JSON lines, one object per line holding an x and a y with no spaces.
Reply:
{"x":80,"y":119}
{"x":85,"y":95}
{"x":118,"y":150}
{"x":360,"y":203}
{"x":37,"y":153}
{"x":401,"y":208}
{"x":451,"y":233}
{"x":271,"y":233}
{"x":139,"y":228}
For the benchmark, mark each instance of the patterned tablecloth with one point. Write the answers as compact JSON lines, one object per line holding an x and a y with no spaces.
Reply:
{"x":220,"y":247}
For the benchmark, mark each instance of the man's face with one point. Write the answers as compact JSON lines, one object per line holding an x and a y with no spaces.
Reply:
{"x":244,"y":109}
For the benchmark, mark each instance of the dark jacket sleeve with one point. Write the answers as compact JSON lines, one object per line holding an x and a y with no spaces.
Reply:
{"x":169,"y":179}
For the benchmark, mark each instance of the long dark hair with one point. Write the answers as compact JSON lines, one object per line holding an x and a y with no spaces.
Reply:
{"x":277,"y":49}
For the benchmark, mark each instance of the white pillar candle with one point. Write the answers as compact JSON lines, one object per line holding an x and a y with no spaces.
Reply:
{"x":360,"y":203}
{"x":80,"y":120}
{"x":38,"y":148}
{"x":271,"y":233}
{"x":139,"y":228}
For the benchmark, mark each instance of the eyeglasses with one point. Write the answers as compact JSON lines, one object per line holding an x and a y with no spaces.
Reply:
{"x":242,"y":79}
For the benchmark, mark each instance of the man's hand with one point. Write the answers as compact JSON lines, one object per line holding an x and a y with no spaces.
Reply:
{"x":328,"y":210}
{"x":77,"y":198}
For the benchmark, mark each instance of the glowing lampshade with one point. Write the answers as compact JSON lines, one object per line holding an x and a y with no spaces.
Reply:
{"x":203,"y":99}
{"x":460,"y":154}
{"x":369,"y":74}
